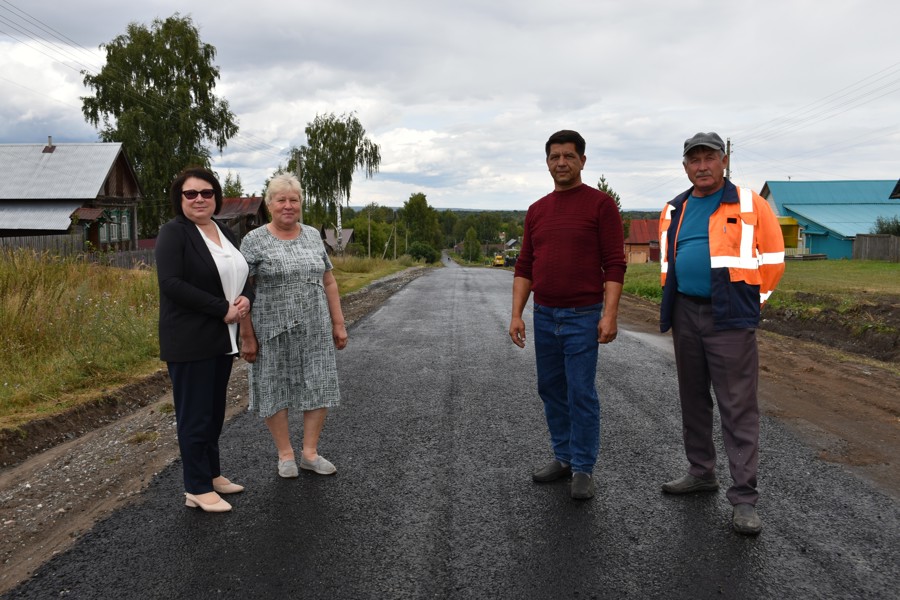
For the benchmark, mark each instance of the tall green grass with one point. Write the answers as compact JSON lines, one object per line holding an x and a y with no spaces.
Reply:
{"x":642,"y":279}
{"x":70,"y":329}
{"x":355,"y":272}
{"x":68,"y":326}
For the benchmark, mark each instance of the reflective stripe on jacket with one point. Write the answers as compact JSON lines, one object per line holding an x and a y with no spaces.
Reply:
{"x":746,"y":250}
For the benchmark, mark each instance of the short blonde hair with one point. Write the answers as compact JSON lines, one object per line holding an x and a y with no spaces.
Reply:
{"x":283,"y":182}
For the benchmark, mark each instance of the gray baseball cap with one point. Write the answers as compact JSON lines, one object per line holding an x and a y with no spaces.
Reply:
{"x":710,"y":140}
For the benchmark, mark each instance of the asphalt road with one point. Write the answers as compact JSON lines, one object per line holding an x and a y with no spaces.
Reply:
{"x":435,"y":440}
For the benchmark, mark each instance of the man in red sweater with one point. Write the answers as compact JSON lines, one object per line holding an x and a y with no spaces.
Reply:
{"x":573,"y":259}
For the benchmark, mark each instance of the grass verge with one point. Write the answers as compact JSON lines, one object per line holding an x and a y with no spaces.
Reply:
{"x":72,"y":330}
{"x":842,"y":282}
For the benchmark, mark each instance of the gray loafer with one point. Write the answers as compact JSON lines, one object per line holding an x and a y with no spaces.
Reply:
{"x":287,"y":469}
{"x":582,"y":486}
{"x":690,"y":484}
{"x":745,"y":520}
{"x":551,"y":472}
{"x":320,"y":466}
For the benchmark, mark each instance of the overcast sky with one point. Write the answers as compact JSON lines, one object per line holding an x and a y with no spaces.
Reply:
{"x":461,"y":95}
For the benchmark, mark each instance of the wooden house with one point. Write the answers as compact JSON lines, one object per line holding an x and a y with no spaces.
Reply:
{"x":68,"y":197}
{"x":642,"y":243}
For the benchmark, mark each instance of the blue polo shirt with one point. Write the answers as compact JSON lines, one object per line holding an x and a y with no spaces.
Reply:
{"x":692,"y":266}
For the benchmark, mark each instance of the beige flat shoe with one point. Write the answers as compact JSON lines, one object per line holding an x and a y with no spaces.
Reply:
{"x":191,"y":501}
{"x":227,"y":488}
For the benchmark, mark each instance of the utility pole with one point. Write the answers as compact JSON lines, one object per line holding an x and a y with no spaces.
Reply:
{"x":299,"y":173}
{"x":728,"y":154}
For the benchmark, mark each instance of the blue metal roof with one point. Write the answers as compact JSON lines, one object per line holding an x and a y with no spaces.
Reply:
{"x":844,"y":208}
{"x":845,"y":220}
{"x":829,"y":192}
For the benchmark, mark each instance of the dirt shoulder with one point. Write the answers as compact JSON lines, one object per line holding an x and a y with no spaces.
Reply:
{"x":847,"y":407}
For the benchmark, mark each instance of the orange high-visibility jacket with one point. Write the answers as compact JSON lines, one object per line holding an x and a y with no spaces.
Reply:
{"x":746,"y":250}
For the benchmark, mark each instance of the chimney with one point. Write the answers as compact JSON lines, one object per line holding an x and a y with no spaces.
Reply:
{"x":49,"y":148}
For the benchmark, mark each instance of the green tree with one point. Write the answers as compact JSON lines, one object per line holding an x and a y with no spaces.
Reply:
{"x":889,"y":225}
{"x":604,"y":187}
{"x":489,"y":227}
{"x":422,"y":251}
{"x":336,"y":148}
{"x":447,"y":220}
{"x":372,"y":219}
{"x":155,"y":96}
{"x":421,"y":220}
{"x":232,"y":186}
{"x":471,"y":246}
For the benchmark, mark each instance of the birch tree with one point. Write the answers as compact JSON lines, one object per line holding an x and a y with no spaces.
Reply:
{"x":336,"y":148}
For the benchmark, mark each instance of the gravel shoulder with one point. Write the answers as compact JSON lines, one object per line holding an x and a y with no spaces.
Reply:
{"x":846,"y":407}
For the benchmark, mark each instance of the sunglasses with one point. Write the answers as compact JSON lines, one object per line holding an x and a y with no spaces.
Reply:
{"x":192,"y":194}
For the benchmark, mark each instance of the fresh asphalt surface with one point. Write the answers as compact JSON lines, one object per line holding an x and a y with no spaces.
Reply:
{"x":434,"y":442}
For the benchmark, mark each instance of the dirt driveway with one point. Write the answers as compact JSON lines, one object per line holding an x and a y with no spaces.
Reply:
{"x":847,"y":407}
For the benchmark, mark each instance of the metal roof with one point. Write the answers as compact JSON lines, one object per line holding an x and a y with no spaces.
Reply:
{"x":828,"y":192}
{"x":845,"y":208}
{"x":236,"y":207}
{"x":89,"y":214}
{"x":41,"y":214}
{"x":643,"y":231}
{"x":70,"y":172}
{"x":846,"y":220}
{"x":330,"y":238}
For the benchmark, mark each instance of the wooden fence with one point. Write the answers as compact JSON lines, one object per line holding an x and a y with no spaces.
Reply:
{"x":72,"y":245}
{"x":877,"y":246}
{"x":63,"y":245}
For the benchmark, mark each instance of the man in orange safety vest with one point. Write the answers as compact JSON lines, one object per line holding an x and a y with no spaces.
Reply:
{"x":721,"y":255}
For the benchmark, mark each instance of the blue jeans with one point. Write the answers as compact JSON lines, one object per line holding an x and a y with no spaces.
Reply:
{"x":566,"y":349}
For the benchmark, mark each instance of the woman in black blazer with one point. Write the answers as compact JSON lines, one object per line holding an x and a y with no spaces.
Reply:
{"x":203,"y":295}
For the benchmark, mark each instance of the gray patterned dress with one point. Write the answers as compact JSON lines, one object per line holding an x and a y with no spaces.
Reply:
{"x":295,"y":366}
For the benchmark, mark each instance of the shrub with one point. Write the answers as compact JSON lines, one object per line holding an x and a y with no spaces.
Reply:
{"x":421,"y":251}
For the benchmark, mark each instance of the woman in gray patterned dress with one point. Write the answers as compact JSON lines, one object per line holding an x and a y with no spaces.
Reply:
{"x":294,"y":327}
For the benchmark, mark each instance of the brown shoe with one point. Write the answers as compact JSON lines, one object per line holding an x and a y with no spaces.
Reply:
{"x":690,"y":484}
{"x":745,"y":520}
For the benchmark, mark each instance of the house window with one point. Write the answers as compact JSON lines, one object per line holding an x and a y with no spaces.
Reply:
{"x":104,"y":233}
{"x":114,"y":226}
{"x":124,"y":225}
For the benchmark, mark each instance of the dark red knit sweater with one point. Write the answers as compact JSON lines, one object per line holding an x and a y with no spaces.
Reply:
{"x":573,"y":243}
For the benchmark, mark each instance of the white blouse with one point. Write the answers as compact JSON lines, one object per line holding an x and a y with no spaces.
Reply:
{"x":233,"y":271}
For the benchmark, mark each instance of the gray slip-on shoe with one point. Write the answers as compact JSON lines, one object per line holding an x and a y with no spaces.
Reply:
{"x":582,"y":486}
{"x":320,"y":466}
{"x":690,"y":484}
{"x":287,"y":469}
{"x":551,"y":472}
{"x":745,"y":520}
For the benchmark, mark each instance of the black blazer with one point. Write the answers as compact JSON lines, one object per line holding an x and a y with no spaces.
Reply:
{"x":192,"y":304}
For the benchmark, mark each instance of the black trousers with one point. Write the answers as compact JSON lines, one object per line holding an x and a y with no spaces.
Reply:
{"x":199,"y":389}
{"x":730,"y":362}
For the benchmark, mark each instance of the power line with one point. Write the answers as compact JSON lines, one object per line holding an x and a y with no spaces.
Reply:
{"x":848,"y":98}
{"x":26,"y":27}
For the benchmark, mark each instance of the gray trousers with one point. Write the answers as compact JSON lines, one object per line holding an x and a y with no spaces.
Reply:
{"x":729,"y":360}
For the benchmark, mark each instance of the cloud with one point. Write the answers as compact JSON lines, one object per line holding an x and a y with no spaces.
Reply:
{"x":461,"y":95}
